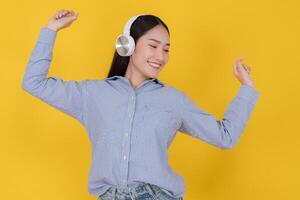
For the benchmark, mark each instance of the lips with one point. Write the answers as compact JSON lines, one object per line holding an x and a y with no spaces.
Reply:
{"x":154,"y":65}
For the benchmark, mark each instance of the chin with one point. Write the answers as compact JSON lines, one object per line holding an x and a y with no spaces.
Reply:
{"x":152,"y":75}
{"x":152,"y":72}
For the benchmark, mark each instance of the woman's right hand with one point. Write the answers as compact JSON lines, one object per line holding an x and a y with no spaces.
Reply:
{"x":62,"y":19}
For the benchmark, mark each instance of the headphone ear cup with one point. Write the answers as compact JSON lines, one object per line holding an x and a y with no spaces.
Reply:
{"x":125,"y":45}
{"x":131,"y":46}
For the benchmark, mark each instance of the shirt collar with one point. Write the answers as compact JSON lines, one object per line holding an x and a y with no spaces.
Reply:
{"x":124,"y":78}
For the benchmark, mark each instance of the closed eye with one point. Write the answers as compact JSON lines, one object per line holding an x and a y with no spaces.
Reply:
{"x":152,"y":46}
{"x":156,"y":47}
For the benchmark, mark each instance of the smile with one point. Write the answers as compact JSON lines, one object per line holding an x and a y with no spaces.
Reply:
{"x":154,"y":65}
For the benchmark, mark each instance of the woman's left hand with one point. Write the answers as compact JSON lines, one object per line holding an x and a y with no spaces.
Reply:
{"x":242,"y":72}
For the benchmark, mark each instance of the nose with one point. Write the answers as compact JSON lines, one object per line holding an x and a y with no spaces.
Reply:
{"x":159,"y":57}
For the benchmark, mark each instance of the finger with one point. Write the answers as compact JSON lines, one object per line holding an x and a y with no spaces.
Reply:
{"x":239,"y":64}
{"x":235,"y":69}
{"x":239,"y":59}
{"x":248,"y":68}
{"x":57,"y":16}
{"x":241,"y":69}
{"x":58,"y":13}
{"x":61,"y":12}
{"x":71,"y":13}
{"x":75,"y":15}
{"x":65,"y":12}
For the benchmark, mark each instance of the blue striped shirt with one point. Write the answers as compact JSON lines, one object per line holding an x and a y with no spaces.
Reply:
{"x":130,"y":130}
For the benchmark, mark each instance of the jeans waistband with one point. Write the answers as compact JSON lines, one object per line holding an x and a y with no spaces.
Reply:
{"x":131,"y":186}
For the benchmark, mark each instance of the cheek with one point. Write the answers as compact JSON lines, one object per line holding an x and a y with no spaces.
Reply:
{"x":167,"y":57}
{"x":147,"y":53}
{"x":140,"y":60}
{"x":142,"y":55}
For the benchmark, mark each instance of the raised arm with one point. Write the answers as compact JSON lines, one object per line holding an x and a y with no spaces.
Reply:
{"x":220,"y":133}
{"x":67,"y":96}
{"x":223,"y":133}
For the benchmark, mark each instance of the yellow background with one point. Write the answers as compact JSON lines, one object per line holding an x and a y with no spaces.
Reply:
{"x":46,"y":154}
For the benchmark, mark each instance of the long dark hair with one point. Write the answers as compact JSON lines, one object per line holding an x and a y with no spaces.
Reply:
{"x":138,"y":28}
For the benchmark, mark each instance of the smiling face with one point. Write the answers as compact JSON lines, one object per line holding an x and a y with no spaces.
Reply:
{"x":151,"y":53}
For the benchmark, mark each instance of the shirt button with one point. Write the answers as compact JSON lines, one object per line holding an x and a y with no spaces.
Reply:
{"x":126,"y":134}
{"x":124,"y":157}
{"x":129,"y":115}
{"x":132,"y":97}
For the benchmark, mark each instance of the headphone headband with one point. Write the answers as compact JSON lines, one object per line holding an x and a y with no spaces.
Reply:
{"x":127,"y":27}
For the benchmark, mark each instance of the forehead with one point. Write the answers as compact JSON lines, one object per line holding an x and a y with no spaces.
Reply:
{"x":158,"y":33}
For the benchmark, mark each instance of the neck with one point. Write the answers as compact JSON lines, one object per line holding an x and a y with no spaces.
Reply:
{"x":134,"y":77}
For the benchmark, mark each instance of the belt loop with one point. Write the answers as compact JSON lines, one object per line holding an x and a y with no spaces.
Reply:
{"x":114,"y":193}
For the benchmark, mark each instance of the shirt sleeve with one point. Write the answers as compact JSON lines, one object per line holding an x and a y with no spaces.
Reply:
{"x":66,"y":96}
{"x":221,"y":133}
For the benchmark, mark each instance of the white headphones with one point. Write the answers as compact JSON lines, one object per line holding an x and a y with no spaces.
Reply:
{"x":125,"y":44}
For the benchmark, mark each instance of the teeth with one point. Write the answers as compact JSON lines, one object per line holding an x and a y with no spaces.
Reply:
{"x":154,"y":64}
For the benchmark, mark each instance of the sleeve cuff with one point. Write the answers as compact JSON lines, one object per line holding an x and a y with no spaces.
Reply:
{"x":47,"y":36}
{"x":249,"y":93}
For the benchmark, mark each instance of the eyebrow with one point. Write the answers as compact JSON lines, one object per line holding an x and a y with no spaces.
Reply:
{"x":168,"y":44}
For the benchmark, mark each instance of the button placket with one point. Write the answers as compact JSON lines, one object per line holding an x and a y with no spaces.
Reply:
{"x":126,"y":141}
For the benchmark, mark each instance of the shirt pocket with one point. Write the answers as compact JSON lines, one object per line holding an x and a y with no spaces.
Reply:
{"x":163,"y":119}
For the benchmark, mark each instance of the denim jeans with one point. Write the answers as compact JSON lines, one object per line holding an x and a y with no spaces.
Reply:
{"x":142,"y":191}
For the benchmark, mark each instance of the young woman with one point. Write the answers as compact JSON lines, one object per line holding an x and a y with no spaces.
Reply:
{"x":131,"y":117}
